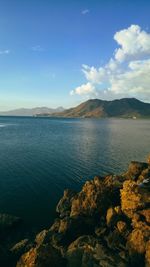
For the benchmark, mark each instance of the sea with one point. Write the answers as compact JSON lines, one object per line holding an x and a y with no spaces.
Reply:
{"x":40,"y":157}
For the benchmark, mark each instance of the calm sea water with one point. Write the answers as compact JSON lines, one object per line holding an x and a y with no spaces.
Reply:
{"x":40,"y":157}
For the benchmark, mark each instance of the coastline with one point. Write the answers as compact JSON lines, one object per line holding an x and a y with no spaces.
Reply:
{"x":105,"y":224}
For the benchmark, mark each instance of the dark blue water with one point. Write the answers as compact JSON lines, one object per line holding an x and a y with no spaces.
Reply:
{"x":39,"y":157}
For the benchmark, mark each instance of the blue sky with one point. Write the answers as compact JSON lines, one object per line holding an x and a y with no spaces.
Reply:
{"x":43,"y":45}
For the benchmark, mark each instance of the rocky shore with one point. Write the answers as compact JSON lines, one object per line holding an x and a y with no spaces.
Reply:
{"x":106,"y":224}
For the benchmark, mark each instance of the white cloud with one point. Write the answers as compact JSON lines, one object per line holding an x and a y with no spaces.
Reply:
{"x":135,"y":81}
{"x":84,"y":89}
{"x":127,"y":73}
{"x":37,"y":48}
{"x":92,"y":74}
{"x":85,"y":11}
{"x":133,"y":41}
{"x":4,"y":52}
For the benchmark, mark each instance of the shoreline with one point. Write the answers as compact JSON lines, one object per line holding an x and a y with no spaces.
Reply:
{"x":105,"y":224}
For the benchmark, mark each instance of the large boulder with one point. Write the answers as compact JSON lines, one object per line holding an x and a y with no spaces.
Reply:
{"x":70,"y":228}
{"x":134,"y":204}
{"x":113,"y":215}
{"x":64,"y":205}
{"x":135,"y":169}
{"x":131,"y":198}
{"x":95,"y":198}
{"x":87,"y":251}
{"x":42,"y":256}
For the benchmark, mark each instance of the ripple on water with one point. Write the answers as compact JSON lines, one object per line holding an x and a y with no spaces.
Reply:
{"x":40,"y":157}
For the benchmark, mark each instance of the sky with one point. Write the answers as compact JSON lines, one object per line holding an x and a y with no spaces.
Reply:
{"x":63,"y":52}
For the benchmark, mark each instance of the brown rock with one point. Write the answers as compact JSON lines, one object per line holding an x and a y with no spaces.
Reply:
{"x":64,"y":205}
{"x":111,"y":217}
{"x":148,"y":159}
{"x":94,"y":198}
{"x":86,"y":251}
{"x":43,"y":256}
{"x":115,"y":241}
{"x":72,"y":227}
{"x":131,"y":199}
{"x":40,"y":237}
{"x":107,"y":224}
{"x":20,"y":247}
{"x":144,"y":175}
{"x":147,"y":255}
{"x":136,"y":241}
{"x":121,"y":226}
{"x":146,"y":214}
{"x":55,"y":225}
{"x":135,"y":169}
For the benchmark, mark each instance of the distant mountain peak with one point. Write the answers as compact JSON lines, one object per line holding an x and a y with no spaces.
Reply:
{"x":124,"y":107}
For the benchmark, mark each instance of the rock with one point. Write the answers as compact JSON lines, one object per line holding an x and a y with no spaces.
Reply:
{"x":148,"y":160}
{"x":115,"y":241}
{"x":111,"y":217}
{"x":55,"y":226}
{"x":7,"y":222}
{"x":42,"y":256}
{"x":145,"y":174}
{"x":95,"y":197}
{"x":121,"y":226}
{"x":106,"y":224}
{"x":136,"y":242}
{"x":86,"y":251}
{"x":136,"y":246}
{"x":100,"y":231}
{"x":70,"y":228}
{"x":147,"y":255}
{"x":41,"y":238}
{"x":118,"y":210}
{"x":20,"y":247}
{"x":64,"y":205}
{"x":135,"y":168}
{"x":146,"y":214}
{"x":131,"y":199}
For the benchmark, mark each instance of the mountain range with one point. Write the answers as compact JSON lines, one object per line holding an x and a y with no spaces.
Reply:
{"x":93,"y":108}
{"x":125,"y":107}
{"x":32,"y":112}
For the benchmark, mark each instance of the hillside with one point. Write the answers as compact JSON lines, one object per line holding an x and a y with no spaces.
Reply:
{"x":31,"y":112}
{"x":126,"y":107}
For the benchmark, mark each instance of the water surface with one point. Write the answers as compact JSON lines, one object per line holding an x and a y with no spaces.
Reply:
{"x":39,"y":157}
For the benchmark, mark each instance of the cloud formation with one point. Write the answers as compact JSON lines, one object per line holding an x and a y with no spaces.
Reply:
{"x":84,"y":89}
{"x":134,"y":43}
{"x":127,"y":74}
{"x":85,"y":11}
{"x":4,"y":52}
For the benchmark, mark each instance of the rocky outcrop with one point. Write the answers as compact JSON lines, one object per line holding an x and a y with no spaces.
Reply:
{"x":106,"y":224}
{"x":44,"y":255}
{"x":7,"y":222}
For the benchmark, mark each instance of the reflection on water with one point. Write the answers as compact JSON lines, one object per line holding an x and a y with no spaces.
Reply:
{"x":39,"y":157}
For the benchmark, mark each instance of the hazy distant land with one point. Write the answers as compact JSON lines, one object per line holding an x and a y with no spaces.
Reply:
{"x":31,"y":111}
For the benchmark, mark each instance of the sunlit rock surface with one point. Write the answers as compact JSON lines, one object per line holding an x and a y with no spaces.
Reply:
{"x":106,"y":224}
